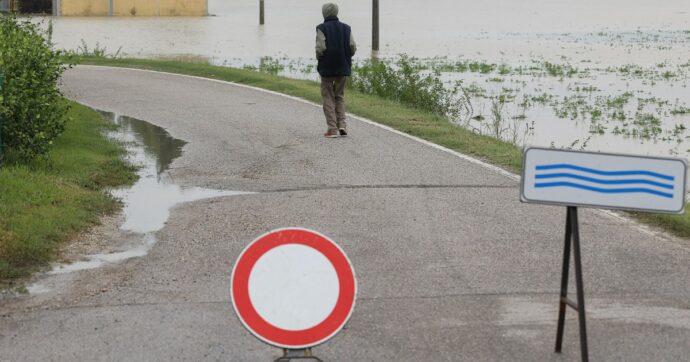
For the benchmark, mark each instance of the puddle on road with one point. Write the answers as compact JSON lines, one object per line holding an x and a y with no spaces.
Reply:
{"x":96,"y":260}
{"x":148,"y":202}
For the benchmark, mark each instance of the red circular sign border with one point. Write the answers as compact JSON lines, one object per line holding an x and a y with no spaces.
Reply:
{"x":281,"y":337}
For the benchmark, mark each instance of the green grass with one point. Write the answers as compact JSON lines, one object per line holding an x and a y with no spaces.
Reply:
{"x":47,"y":202}
{"x":418,"y":123}
{"x":676,"y":224}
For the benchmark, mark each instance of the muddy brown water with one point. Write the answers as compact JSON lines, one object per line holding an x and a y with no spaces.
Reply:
{"x":494,"y":29}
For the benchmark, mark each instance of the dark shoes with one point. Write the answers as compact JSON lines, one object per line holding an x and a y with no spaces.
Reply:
{"x":342,"y":132}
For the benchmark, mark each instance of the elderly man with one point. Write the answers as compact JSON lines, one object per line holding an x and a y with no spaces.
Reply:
{"x":335,"y":47}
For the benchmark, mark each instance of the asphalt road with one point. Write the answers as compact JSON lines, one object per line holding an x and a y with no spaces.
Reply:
{"x":450,"y":265}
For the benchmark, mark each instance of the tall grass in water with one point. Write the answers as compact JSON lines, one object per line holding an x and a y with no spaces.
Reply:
{"x":410,"y":83}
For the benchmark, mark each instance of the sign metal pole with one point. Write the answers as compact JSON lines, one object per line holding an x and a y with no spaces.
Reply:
{"x":292,"y":354}
{"x":572,"y":235}
{"x":375,"y":26}
{"x":261,"y":12}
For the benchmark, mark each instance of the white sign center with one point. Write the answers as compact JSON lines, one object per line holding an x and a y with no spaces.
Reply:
{"x":293,"y":287}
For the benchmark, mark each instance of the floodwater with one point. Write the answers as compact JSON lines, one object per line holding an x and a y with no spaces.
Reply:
{"x":148,"y":202}
{"x":492,"y":29}
{"x":594,"y":36}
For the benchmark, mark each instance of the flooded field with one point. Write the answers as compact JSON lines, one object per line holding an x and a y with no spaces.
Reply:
{"x":606,"y":75}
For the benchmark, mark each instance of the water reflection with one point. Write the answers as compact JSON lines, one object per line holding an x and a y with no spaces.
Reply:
{"x":158,"y":145}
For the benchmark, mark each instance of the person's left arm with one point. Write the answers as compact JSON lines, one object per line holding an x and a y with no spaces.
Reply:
{"x":320,"y":44}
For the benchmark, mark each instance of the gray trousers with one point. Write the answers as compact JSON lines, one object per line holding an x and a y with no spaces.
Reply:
{"x":333,"y":94}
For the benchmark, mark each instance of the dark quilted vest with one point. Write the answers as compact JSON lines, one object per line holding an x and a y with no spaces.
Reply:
{"x":337,"y":60}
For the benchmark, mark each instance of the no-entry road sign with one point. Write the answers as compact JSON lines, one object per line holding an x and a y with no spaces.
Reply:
{"x":293,"y":288}
{"x":614,"y":181}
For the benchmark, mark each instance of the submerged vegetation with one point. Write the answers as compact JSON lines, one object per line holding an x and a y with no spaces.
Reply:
{"x":583,"y":96}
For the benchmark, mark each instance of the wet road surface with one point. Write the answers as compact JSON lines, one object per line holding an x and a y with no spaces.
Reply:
{"x":450,"y":265}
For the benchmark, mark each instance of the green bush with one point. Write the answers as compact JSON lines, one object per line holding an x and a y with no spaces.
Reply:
{"x":404,"y":82}
{"x":32,"y":113}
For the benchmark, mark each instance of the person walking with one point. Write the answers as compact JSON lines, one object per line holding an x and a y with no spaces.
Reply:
{"x":335,"y":47}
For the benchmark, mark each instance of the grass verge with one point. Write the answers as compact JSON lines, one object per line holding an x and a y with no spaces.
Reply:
{"x":48,"y":201}
{"x":423,"y":124}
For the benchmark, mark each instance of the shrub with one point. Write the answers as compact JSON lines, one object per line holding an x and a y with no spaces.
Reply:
{"x":403,"y":81}
{"x":32,"y":112}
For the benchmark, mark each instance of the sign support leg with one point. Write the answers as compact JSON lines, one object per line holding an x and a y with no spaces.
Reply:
{"x":564,"y":282}
{"x":290,"y":354}
{"x":572,"y":235}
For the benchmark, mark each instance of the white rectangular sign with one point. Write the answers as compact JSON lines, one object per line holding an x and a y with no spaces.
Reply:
{"x":612,"y":181}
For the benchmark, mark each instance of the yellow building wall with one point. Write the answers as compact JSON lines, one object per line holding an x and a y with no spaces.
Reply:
{"x":84,"y":7}
{"x":134,"y":8}
{"x":183,"y":7}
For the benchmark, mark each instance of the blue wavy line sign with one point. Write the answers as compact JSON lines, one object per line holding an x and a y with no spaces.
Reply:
{"x":605,"y":180}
